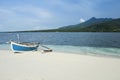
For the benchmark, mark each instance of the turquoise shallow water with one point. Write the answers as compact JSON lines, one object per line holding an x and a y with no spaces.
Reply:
{"x":98,"y":51}
{"x":86,"y":50}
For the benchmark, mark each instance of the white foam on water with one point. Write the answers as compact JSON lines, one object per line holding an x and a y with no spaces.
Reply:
{"x":4,"y":46}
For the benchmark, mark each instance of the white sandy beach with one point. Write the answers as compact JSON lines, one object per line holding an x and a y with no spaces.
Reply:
{"x":57,"y":66}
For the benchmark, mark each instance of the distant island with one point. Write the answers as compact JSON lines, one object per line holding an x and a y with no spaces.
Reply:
{"x":91,"y":25}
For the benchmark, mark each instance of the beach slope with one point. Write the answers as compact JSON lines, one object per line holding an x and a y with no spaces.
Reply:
{"x":57,"y":66}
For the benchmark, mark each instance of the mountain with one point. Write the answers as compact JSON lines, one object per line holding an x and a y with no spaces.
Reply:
{"x":94,"y":25}
{"x":109,"y":26}
{"x":89,"y":22}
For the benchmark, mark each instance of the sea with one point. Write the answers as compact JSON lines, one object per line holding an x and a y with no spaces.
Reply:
{"x":86,"y":43}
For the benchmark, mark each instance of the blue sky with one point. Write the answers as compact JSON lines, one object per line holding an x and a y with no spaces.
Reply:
{"x":18,"y":15}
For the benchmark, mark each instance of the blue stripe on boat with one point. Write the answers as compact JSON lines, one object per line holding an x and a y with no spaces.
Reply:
{"x":22,"y":48}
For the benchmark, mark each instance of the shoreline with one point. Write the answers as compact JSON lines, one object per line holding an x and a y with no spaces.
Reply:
{"x":76,"y":50}
{"x":81,"y":53}
{"x":57,"y":66}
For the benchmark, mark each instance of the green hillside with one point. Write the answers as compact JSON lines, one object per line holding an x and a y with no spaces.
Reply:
{"x":96,"y":25}
{"x":110,"y":26}
{"x":87,"y":23}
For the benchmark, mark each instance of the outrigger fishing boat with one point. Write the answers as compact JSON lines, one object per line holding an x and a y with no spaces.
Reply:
{"x":23,"y":46}
{"x":26,"y":46}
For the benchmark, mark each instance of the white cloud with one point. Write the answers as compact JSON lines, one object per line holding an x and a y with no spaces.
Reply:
{"x":40,"y":27}
{"x":24,"y":17}
{"x":82,"y":20}
{"x":1,"y":26}
{"x":6,"y":13}
{"x":33,"y":11}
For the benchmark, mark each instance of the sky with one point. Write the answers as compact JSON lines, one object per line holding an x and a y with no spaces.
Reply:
{"x":20,"y":15}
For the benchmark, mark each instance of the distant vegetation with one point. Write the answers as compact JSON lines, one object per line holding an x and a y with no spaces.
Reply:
{"x":91,"y":25}
{"x":109,"y":26}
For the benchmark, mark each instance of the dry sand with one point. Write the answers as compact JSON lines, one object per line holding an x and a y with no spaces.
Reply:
{"x":57,"y":66}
